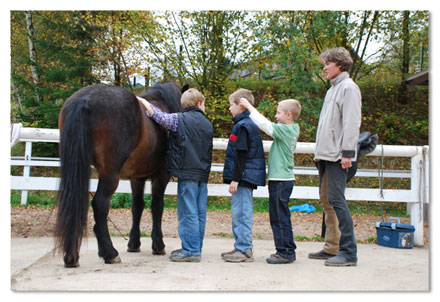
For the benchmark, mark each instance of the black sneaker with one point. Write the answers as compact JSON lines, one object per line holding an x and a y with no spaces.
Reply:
{"x":339,"y":261}
{"x":277,"y":259}
{"x":320,"y":255}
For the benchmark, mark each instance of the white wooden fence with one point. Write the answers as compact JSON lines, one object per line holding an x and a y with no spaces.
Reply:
{"x":415,"y":197}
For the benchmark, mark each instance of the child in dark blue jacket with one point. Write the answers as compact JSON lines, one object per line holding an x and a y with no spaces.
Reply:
{"x":189,"y":159}
{"x":244,"y":170}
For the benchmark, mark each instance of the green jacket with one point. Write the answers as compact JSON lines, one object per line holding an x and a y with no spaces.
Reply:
{"x":281,"y":155}
{"x":285,"y":137}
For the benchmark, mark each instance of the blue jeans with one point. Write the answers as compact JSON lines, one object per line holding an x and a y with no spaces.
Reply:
{"x":336,"y":180}
{"x":191,"y":214}
{"x":279,"y":213}
{"x":242,"y":207}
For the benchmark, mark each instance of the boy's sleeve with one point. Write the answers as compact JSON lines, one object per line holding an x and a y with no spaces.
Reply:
{"x":169,"y":121}
{"x":242,"y":148}
{"x":242,"y":143}
{"x":263,"y":123}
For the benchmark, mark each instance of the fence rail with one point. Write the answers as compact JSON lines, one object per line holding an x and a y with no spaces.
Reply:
{"x":415,"y":197}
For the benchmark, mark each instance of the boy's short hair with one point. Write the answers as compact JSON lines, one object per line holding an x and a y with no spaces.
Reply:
{"x":339,"y":55}
{"x":292,"y":106}
{"x":191,"y":98}
{"x":242,"y":93}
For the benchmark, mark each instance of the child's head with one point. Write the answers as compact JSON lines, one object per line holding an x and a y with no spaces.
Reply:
{"x":192,"y":98}
{"x":339,"y":55}
{"x":288,"y":111}
{"x":234,"y":100}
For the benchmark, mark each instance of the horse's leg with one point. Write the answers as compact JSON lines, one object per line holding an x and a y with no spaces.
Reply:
{"x":137,"y":207}
{"x":101,"y":207}
{"x":158,"y":185}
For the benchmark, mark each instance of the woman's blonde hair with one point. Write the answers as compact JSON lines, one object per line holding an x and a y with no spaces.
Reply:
{"x":191,"y":98}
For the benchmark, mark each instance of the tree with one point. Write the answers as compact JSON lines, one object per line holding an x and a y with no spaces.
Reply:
{"x":32,"y":51}
{"x":54,"y":53}
{"x":353,"y":30}
{"x":285,"y":51}
{"x":63,"y":41}
{"x":405,"y":34}
{"x":203,"y":47}
{"x":404,"y":69}
{"x":117,"y":45}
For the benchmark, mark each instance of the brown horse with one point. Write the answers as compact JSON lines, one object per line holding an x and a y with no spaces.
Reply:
{"x":106,"y":126}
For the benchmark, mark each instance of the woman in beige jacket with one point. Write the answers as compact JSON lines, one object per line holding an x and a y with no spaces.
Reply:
{"x":336,"y":141}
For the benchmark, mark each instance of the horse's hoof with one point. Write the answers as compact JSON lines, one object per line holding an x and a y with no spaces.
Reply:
{"x":71,"y":265}
{"x":133,"y":250}
{"x":117,"y":259}
{"x":161,"y":252}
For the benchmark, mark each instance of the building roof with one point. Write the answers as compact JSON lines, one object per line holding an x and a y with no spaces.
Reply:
{"x":420,"y":78}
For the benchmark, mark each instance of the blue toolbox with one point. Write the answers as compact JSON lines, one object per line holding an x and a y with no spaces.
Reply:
{"x":395,"y":234}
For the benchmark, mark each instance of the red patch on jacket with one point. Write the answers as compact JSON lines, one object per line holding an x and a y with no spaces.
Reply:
{"x":233,"y":137}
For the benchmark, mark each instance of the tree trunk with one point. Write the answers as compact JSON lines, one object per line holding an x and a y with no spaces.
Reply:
{"x":147,"y":78}
{"x":117,"y":73}
{"x":403,"y":89}
{"x":32,"y":51}
{"x":16,"y":98}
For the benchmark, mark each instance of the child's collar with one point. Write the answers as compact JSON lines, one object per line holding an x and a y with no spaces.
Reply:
{"x":241,"y":116}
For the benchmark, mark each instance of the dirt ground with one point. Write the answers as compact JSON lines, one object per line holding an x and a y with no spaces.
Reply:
{"x":37,"y":222}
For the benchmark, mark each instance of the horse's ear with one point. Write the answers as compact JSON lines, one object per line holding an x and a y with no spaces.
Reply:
{"x":185,"y":88}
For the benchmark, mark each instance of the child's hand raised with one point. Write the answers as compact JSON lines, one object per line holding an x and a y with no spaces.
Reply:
{"x":146,"y":104}
{"x":245,"y":103}
{"x":248,"y":106}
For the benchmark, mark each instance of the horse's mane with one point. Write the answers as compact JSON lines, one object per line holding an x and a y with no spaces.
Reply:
{"x":168,"y":94}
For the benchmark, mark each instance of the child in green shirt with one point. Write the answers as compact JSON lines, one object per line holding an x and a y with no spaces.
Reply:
{"x":285,"y":135}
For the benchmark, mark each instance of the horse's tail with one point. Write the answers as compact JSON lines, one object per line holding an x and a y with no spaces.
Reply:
{"x":73,"y":200}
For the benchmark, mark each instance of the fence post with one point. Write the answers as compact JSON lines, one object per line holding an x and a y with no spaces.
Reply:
{"x":416,"y":208}
{"x":426,"y":175}
{"x":26,"y":170}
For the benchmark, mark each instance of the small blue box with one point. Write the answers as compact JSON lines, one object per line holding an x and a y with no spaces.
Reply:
{"x":394,"y":234}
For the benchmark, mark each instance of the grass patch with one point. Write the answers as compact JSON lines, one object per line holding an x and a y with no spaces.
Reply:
{"x":368,"y":240}
{"x":305,"y":238}
{"x":117,"y":234}
{"x":38,"y":199}
{"x":46,"y":199}
{"x":226,"y":235}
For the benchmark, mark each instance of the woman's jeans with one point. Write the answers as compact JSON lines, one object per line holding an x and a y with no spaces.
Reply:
{"x":336,"y":179}
{"x":242,"y":207}
{"x":279,"y":213}
{"x":332,"y":233}
{"x":191,"y":214}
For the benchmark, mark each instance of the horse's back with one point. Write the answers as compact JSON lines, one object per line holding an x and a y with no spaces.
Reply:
{"x":114,"y":122}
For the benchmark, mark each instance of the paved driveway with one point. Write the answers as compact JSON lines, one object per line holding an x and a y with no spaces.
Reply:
{"x":34,"y":267}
